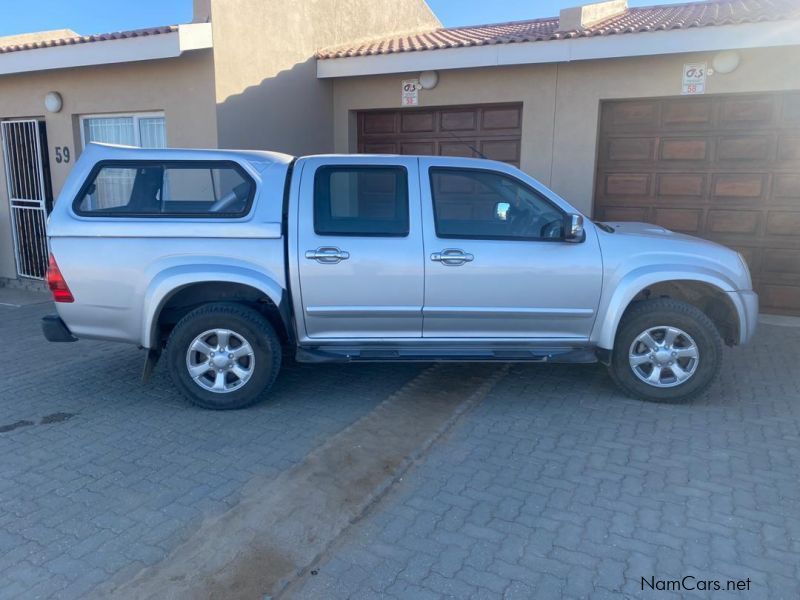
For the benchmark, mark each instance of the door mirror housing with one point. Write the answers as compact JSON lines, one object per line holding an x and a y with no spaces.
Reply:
{"x":573,"y":228}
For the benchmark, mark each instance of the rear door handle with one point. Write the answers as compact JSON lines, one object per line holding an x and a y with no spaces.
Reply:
{"x":327,"y":255}
{"x":452,"y":257}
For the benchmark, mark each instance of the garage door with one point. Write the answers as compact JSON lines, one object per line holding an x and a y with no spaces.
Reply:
{"x":491,"y":130}
{"x":726,"y":168}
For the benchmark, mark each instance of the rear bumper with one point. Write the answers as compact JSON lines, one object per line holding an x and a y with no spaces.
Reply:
{"x":55,"y":330}
{"x":746,"y":302}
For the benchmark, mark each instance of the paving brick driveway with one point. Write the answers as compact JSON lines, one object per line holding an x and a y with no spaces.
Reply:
{"x":558,"y":487}
{"x":554,"y":486}
{"x":134,"y":471}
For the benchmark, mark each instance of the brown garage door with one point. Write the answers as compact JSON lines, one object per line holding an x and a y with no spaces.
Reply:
{"x":726,"y":168}
{"x":493,"y":130}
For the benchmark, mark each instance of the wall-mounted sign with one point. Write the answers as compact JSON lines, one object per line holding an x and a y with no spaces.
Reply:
{"x":694,"y":78}
{"x":410,"y":95}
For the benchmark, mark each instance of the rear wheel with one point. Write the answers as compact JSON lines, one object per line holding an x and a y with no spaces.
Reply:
{"x":666,"y":351}
{"x":223,"y":356}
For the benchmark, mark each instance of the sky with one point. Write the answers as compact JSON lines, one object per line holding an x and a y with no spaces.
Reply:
{"x":102,"y":16}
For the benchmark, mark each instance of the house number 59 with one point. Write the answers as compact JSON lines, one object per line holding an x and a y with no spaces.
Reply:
{"x":62,"y":154}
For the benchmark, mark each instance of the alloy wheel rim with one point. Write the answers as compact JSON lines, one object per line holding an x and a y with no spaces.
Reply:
{"x":220,"y":360}
{"x":664,"y":356}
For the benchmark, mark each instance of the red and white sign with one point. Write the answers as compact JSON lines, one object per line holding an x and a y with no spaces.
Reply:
{"x":410,"y":95}
{"x":694,"y":78}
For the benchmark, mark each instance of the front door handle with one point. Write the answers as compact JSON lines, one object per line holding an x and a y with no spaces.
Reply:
{"x":452,"y":257}
{"x":327,"y":255}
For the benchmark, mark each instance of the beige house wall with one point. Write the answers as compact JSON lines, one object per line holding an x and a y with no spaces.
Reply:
{"x":561,"y":102}
{"x":267,"y":90}
{"x":183,"y":88}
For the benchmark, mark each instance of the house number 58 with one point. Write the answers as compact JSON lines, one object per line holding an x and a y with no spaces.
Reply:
{"x":62,"y":154}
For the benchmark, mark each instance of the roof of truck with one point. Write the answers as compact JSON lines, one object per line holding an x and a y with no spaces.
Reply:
{"x":100,"y":151}
{"x":96,"y":152}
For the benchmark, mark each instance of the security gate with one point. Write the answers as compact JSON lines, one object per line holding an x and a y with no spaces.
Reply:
{"x":29,"y":193}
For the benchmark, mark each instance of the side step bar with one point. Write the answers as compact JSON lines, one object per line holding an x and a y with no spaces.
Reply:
{"x":351,"y":354}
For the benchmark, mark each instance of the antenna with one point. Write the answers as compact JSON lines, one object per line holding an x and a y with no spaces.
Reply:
{"x":470,"y":146}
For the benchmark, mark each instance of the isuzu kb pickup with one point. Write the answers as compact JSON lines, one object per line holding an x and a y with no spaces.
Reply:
{"x":226,"y":261}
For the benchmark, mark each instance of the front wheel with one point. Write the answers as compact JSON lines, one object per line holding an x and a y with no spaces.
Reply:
{"x":223,"y":356}
{"x":666,"y":351}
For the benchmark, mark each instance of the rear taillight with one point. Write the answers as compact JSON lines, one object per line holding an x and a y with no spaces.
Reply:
{"x":57,"y":283}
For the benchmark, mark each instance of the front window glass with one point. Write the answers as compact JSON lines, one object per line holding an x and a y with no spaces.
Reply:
{"x":479,"y":204}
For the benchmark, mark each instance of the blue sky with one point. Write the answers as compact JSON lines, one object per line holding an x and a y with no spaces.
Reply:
{"x":100,"y":16}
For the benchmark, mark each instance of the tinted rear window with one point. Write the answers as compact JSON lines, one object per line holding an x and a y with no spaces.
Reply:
{"x":150,"y":188}
{"x":361,"y":201}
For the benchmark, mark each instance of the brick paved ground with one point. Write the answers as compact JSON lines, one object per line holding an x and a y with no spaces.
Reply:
{"x":554,"y":487}
{"x":558,"y":487}
{"x":133,"y":472}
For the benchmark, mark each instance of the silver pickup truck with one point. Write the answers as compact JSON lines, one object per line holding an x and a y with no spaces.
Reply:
{"x":228,"y":260}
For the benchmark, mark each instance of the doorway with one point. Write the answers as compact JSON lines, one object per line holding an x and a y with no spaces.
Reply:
{"x":29,"y":193}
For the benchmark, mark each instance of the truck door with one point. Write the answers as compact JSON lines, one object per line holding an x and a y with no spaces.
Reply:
{"x":496,"y":262}
{"x":359,"y":253}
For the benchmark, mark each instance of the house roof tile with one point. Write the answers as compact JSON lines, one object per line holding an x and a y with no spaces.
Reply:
{"x":633,"y":20}
{"x":85,"y":39}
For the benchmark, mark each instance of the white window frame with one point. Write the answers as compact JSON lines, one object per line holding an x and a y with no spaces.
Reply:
{"x":134,"y":115}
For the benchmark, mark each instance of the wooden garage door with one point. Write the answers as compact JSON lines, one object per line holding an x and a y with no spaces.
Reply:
{"x":726,"y":168}
{"x":493,"y":130}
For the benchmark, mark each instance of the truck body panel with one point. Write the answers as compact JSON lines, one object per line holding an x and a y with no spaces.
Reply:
{"x":368,"y":257}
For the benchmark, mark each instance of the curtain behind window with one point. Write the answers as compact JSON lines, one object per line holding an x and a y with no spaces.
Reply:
{"x":152,"y":133}
{"x":112,"y":130}
{"x":145,"y":132}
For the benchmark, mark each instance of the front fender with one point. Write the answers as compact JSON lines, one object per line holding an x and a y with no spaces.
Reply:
{"x":172,"y":279}
{"x":616,"y":297}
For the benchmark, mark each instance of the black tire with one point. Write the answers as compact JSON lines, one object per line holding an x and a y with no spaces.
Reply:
{"x":245,"y":322}
{"x":672,"y":313}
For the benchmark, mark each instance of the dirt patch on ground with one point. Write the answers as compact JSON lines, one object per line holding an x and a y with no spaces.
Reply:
{"x":281,"y":526}
{"x":59,"y":417}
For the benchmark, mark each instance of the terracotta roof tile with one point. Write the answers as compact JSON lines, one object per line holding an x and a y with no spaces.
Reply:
{"x":634,"y":20}
{"x":86,"y":39}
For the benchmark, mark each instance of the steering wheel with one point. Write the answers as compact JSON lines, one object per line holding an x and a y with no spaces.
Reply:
{"x":224,"y":203}
{"x":552,"y":229}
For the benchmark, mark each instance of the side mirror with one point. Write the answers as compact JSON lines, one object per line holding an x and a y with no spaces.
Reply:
{"x":573,"y":229}
{"x":501,"y":211}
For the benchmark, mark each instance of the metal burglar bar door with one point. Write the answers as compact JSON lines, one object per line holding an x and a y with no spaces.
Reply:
{"x":27,"y":194}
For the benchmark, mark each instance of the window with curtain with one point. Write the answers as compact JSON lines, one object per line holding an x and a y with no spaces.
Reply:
{"x":144,"y":131}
